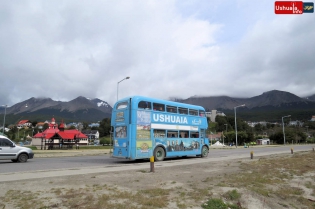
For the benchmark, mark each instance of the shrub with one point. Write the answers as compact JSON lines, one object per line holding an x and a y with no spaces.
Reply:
{"x":214,"y":204}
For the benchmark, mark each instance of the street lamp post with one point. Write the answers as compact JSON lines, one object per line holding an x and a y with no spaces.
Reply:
{"x":118,"y":84}
{"x":5,"y":112}
{"x":283,"y":128}
{"x":235,"y":121}
{"x":226,"y":133}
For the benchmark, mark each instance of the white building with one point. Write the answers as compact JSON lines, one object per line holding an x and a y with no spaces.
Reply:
{"x":214,"y":114}
{"x":264,"y":141}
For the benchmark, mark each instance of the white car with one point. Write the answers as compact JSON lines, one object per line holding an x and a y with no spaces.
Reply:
{"x":9,"y":151}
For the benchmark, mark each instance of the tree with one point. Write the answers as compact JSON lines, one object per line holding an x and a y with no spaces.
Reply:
{"x":85,"y":125}
{"x":72,"y":127}
{"x":258,"y":127}
{"x":105,"y":141}
{"x":45,"y":126}
{"x":34,"y":123}
{"x":277,"y":138}
{"x":105,"y":127}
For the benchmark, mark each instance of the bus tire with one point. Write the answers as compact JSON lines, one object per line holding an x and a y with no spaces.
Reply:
{"x":159,"y":154}
{"x":204,"y":151}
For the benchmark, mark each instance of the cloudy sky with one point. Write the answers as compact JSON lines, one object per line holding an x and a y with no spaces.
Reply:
{"x":168,"y":48}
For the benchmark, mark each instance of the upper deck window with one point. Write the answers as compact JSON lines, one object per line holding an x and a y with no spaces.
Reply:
{"x":202,"y":113}
{"x":183,"y":110}
{"x":122,"y":105}
{"x":172,"y":109}
{"x":158,"y":107}
{"x":144,"y":105}
{"x":193,"y":112}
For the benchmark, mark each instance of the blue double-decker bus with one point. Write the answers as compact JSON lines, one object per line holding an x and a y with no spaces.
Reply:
{"x":144,"y":127}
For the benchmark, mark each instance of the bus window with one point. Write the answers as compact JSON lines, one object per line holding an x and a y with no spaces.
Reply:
{"x":172,"y":109}
{"x":194,"y":134}
{"x":159,"y":133}
{"x":202,"y":113}
{"x":158,"y":107}
{"x":121,"y":132}
{"x":183,"y":110}
{"x":144,"y":105}
{"x":183,"y":134}
{"x":172,"y":134}
{"x":202,"y":133}
{"x":193,"y":112}
{"x":122,"y":105}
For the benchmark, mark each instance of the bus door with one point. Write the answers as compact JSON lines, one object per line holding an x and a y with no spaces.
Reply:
{"x":204,"y":139}
{"x":121,"y":134}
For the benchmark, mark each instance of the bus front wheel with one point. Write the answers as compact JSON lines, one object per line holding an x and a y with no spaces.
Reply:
{"x":204,"y":151}
{"x":159,"y":154}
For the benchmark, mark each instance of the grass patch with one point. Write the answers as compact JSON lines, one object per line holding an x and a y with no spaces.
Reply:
{"x":218,"y":204}
{"x":232,"y":195}
{"x":142,"y":171}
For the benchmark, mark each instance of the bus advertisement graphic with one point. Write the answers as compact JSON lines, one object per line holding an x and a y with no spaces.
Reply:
{"x":144,"y":148}
{"x":144,"y":142}
{"x":143,"y":125}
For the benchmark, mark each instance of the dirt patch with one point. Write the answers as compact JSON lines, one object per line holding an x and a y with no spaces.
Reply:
{"x":69,"y":153}
{"x":276,"y":181}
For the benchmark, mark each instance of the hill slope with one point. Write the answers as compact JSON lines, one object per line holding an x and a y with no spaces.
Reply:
{"x":41,"y":109}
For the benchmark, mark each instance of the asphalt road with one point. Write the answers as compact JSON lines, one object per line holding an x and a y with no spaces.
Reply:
{"x":64,"y":166}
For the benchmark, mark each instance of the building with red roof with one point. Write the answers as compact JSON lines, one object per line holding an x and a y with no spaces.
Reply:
{"x":56,"y":137}
{"x":23,"y":124}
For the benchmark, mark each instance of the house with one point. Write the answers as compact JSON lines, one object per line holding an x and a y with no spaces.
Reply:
{"x":24,"y":124}
{"x":296,"y":123}
{"x":94,"y":125}
{"x":91,"y":134}
{"x":56,"y":137}
{"x":264,"y":141}
{"x":215,"y":137}
{"x":40,"y":125}
{"x":78,"y":125}
{"x":253,"y":124}
{"x":5,"y":129}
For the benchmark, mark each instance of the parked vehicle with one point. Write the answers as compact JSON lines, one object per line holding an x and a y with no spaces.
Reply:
{"x":10,"y":151}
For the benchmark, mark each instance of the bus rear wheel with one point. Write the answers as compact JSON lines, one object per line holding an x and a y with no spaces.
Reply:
{"x":204,"y":151}
{"x":159,"y":154}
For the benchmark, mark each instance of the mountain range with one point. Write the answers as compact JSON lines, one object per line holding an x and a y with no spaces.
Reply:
{"x":42,"y":109}
{"x":273,"y":98}
{"x":269,"y":106}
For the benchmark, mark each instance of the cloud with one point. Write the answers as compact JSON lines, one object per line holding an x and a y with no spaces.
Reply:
{"x":67,"y":49}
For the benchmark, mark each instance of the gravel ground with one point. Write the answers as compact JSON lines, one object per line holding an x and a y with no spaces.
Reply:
{"x":187,"y":186}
